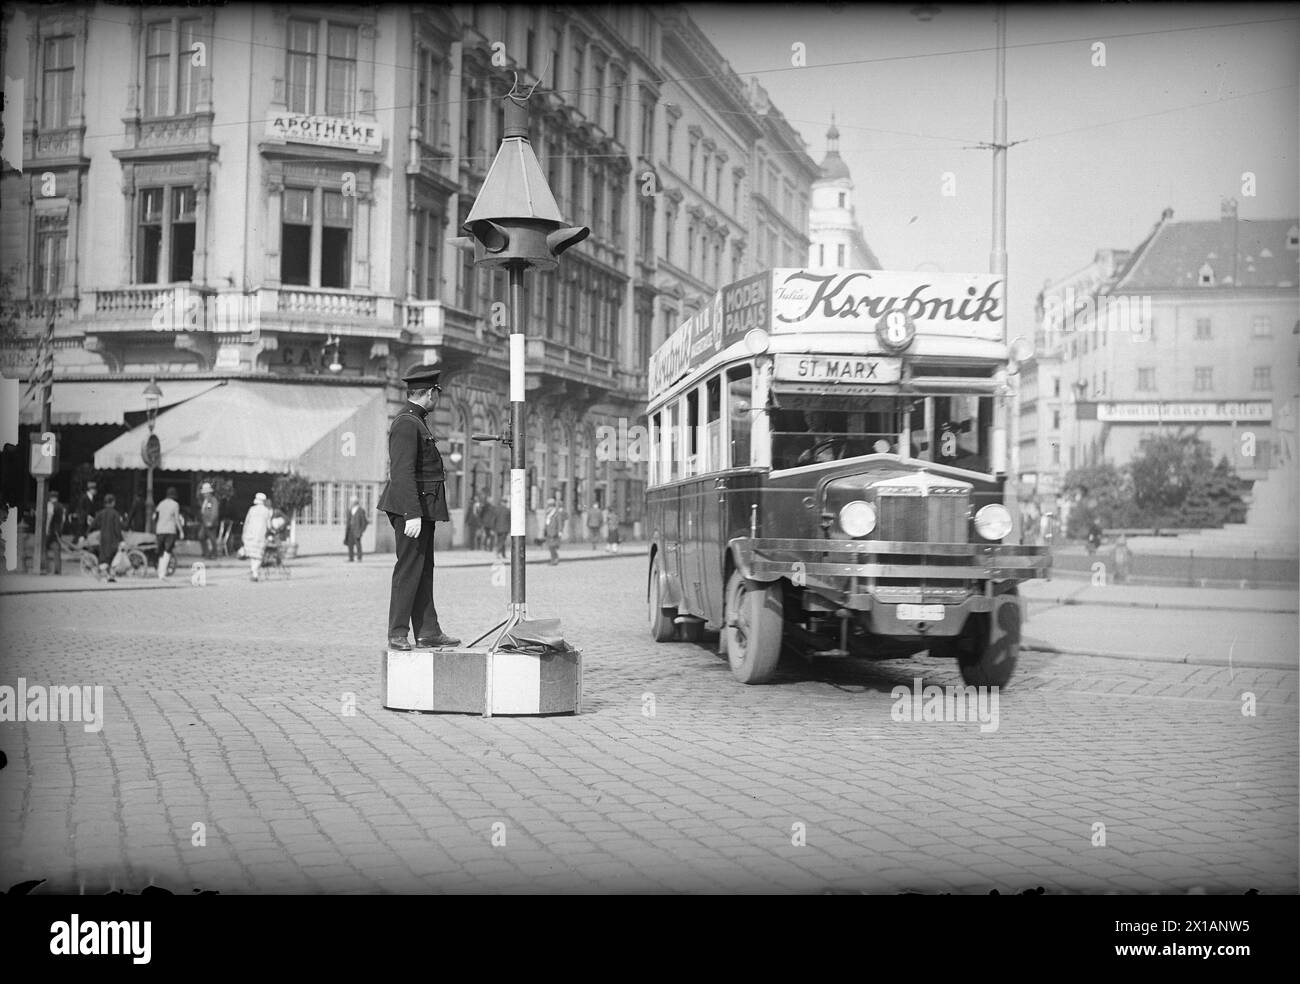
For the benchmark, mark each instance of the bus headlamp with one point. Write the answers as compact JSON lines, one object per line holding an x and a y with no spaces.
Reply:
{"x":993,"y":522}
{"x":857,"y":518}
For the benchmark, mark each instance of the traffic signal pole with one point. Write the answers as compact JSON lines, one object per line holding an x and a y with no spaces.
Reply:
{"x":518,"y":465}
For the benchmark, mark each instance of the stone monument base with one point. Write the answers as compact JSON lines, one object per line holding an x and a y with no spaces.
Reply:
{"x":480,"y":681}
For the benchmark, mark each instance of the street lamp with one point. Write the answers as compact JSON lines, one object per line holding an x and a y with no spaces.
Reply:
{"x":152,"y":397}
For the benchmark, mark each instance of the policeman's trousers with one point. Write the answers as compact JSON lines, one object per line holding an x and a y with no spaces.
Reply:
{"x":410,"y":601}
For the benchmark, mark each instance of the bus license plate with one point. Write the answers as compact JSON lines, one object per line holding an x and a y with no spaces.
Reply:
{"x":920,"y":613}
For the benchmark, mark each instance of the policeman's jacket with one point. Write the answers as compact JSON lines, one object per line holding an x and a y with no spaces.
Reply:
{"x":416,"y":475}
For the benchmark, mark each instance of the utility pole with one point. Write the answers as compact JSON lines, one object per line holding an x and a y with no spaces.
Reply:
{"x":998,"y":255}
{"x":43,"y":379}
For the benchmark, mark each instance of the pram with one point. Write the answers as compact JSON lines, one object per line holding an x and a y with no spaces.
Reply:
{"x":273,"y":557}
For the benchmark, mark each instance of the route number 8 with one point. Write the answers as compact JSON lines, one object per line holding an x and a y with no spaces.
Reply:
{"x":895,"y":328}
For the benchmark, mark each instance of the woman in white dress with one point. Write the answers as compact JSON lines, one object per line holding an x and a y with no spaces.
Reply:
{"x":256,"y":525}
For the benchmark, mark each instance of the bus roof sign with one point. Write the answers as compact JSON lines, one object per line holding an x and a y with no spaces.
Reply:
{"x":790,"y":301}
{"x":969,"y":305}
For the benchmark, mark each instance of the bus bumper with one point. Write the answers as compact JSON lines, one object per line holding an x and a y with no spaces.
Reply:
{"x":849,"y":568}
{"x":938,"y":576}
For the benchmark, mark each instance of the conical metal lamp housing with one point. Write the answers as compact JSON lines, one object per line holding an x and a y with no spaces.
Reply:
{"x":515,"y":187}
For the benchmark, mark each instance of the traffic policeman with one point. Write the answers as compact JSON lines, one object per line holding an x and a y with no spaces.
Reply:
{"x":415,"y":499}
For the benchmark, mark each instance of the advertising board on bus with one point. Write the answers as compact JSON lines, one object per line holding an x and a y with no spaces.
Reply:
{"x":888,"y":308}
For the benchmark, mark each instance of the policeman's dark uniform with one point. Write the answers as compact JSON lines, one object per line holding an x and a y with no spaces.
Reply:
{"x":415,"y":489}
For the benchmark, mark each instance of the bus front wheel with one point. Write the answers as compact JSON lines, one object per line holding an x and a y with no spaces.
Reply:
{"x":988,"y":649}
{"x":662,"y":627}
{"x":752,"y":635}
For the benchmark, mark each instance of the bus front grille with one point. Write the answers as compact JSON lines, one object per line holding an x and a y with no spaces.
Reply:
{"x":923,"y":518}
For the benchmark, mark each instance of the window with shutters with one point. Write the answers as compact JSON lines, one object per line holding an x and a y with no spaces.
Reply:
{"x":49,"y":264}
{"x":308,"y":61}
{"x":166,"y":224}
{"x":173,"y":60}
{"x":316,"y":238}
{"x":57,"y":79}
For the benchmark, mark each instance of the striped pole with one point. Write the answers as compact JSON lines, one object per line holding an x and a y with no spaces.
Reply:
{"x":518,"y":436}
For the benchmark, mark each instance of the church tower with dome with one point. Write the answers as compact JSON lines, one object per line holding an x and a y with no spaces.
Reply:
{"x":836,"y":240}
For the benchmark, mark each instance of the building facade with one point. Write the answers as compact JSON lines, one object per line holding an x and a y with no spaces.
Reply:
{"x":1198,"y":331}
{"x":836,"y":235}
{"x":252,"y":205}
{"x":1043,"y":406}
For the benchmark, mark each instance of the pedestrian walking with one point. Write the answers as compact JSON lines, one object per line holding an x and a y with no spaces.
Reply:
{"x":110,"y":524}
{"x":1029,"y":523}
{"x":595,"y":520}
{"x":474,"y":523}
{"x":135,"y":514}
{"x":257,"y":524}
{"x":501,"y":526}
{"x":87,"y":505}
{"x":357,"y":523}
{"x":613,"y":531}
{"x":552,"y":525}
{"x":415,"y":500}
{"x":488,"y":519}
{"x":168,"y":527}
{"x":209,"y":520}
{"x":1122,"y":559}
{"x":56,"y":516}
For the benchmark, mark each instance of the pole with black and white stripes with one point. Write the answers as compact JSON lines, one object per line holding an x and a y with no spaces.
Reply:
{"x":518,"y":431}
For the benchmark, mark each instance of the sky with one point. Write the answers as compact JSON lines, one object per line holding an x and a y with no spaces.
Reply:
{"x":1189,"y":98}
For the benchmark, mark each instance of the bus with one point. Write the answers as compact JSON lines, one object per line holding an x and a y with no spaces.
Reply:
{"x":828,"y":472}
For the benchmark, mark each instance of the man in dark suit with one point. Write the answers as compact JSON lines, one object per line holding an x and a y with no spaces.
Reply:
{"x":415,"y":499}
{"x":357,"y":523}
{"x":56,"y":515}
{"x":87,"y":506}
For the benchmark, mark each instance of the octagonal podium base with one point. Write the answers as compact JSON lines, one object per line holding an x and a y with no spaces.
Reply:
{"x":480,"y":681}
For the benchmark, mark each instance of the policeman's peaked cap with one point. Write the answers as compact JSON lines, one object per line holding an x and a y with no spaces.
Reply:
{"x":422,"y":377}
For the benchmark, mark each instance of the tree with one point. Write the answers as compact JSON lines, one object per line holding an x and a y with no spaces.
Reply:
{"x":292,"y":493}
{"x":1106,"y":494}
{"x":1214,"y":498}
{"x":1177,"y":484}
{"x":1162,"y":473}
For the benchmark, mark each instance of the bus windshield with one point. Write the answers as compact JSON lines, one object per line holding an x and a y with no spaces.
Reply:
{"x":953,"y":430}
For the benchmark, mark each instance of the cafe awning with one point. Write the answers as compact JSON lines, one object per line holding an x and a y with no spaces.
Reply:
{"x":323,"y":431}
{"x":85,"y":401}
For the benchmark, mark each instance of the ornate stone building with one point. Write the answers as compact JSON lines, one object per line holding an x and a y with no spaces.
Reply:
{"x":252,"y":205}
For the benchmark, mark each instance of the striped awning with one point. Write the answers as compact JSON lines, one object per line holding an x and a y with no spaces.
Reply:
{"x":259,"y":427}
{"x":85,"y":401}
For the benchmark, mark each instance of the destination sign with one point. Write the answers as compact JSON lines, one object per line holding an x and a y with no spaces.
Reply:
{"x":836,"y":369}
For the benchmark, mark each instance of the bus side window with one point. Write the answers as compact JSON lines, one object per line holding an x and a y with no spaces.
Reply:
{"x":691,"y":464}
{"x":740,"y":388}
{"x":713,"y":423}
{"x":656,"y":439}
{"x":672,"y":422}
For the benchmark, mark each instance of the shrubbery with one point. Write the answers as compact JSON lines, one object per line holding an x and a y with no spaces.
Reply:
{"x":1171,"y":483}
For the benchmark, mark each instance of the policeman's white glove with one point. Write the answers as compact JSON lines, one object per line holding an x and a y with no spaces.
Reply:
{"x":413,"y":527}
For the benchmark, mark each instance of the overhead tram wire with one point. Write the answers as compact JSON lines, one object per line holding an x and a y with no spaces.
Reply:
{"x":733,"y":72}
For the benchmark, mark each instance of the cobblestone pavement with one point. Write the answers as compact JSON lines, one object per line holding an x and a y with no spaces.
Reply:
{"x":226,"y":707}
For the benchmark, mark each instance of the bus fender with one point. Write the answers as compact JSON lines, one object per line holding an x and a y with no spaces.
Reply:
{"x":669,"y":587}
{"x":741,"y":552}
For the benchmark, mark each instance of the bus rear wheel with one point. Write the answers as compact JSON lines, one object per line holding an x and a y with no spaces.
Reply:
{"x":662,"y":627}
{"x":751,"y":637}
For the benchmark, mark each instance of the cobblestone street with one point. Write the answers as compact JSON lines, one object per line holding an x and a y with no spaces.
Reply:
{"x":228,"y":759}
